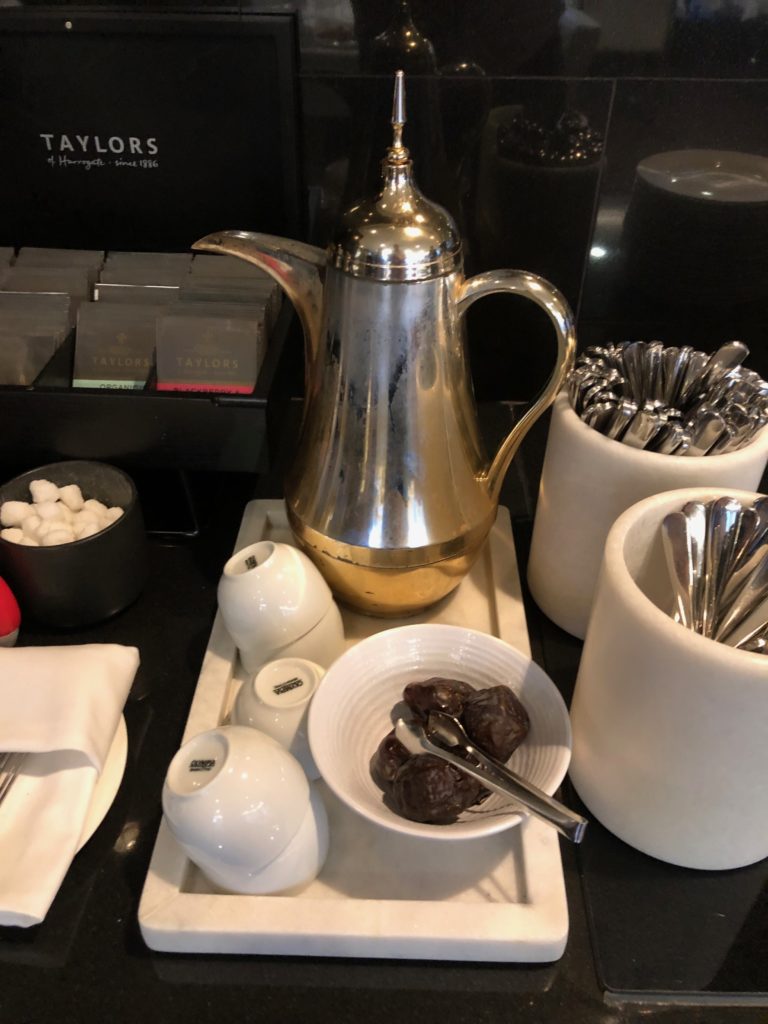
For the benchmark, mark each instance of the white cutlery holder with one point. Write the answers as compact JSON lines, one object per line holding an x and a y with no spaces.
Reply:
{"x":588,"y":480}
{"x":670,"y":728}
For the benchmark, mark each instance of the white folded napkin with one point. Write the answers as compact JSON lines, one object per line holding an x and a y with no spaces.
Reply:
{"x":62,"y":705}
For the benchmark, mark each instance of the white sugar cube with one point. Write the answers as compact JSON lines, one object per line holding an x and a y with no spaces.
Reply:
{"x":87,"y":529}
{"x":61,"y":535}
{"x":72,"y":497}
{"x":95,"y":506}
{"x":86,"y":515}
{"x":51,"y":510}
{"x":85,"y":518}
{"x":12,"y":513}
{"x":43,"y":490}
{"x":30,"y":525}
{"x":58,"y":515}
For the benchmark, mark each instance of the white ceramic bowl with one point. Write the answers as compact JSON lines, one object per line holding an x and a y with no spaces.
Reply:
{"x":276,"y":701}
{"x":242,"y":809}
{"x":351,"y":713}
{"x":275,"y":604}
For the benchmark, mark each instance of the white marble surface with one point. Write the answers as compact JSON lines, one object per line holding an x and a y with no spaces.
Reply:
{"x":380,"y":894}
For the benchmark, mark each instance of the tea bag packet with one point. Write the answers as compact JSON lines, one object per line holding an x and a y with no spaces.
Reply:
{"x":89,"y":259}
{"x":114,"y":345}
{"x":208,"y":353}
{"x":245,"y":290}
{"x":27,"y":345}
{"x":32,"y":327}
{"x":208,"y":265}
{"x":234,"y":289}
{"x":146,"y":267}
{"x":45,"y":257}
{"x":71,"y":281}
{"x":152,"y":294}
{"x":149,"y":273}
{"x":122,"y":258}
{"x":254,"y":313}
{"x":68,"y":280}
{"x":43,"y":307}
{"x":23,"y":356}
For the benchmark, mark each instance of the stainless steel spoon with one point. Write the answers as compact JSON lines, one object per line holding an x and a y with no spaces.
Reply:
{"x":676,"y":542}
{"x":728,"y":356}
{"x":496,"y":777}
{"x":622,"y":417}
{"x":696,"y":514}
{"x":753,"y":591}
{"x":673,"y":362}
{"x":751,"y":549}
{"x":723,"y":519}
{"x":692,"y":381}
{"x":706,"y":428}
{"x":753,"y":627}
{"x":642,"y":428}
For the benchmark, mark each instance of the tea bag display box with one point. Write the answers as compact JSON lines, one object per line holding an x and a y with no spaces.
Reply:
{"x":143,"y":153}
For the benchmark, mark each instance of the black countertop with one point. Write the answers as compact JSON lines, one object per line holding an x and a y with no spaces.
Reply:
{"x":647,"y":941}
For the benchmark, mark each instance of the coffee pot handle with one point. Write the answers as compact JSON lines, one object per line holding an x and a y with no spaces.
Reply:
{"x":554,"y":304}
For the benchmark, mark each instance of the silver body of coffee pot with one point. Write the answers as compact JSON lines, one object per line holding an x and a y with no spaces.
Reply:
{"x":390,"y":490}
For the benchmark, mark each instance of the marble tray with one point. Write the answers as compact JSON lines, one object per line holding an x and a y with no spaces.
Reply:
{"x":500,"y":899}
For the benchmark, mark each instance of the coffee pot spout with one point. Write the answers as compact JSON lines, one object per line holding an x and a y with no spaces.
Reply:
{"x":297,"y":267}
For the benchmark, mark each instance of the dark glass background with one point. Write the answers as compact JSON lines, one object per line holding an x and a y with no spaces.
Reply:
{"x":646,"y":77}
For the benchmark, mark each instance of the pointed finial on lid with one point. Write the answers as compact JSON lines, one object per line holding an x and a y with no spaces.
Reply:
{"x":398,"y":153}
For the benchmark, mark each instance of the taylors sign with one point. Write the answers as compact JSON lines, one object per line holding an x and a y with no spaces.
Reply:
{"x":92,"y":145}
{"x":89,"y":151}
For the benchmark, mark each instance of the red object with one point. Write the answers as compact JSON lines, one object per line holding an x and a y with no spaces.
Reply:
{"x":10,"y":616}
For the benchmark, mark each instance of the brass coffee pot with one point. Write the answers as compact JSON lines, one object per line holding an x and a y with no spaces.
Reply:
{"x":390,"y":491}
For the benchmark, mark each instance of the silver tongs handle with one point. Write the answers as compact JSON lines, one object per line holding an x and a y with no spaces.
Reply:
{"x":500,"y":779}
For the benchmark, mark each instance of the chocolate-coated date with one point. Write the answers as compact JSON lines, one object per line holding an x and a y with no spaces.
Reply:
{"x":390,"y":755}
{"x":425,"y":788}
{"x":430,"y":790}
{"x":437,"y":694}
{"x":496,"y":721}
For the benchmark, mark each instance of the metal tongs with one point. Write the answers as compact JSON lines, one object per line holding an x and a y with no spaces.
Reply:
{"x":450,"y":737}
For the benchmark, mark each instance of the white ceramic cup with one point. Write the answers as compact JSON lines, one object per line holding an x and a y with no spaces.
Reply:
{"x":670,"y":728}
{"x":587,"y":481}
{"x":275,"y":604}
{"x":276,"y":701}
{"x":243,"y":811}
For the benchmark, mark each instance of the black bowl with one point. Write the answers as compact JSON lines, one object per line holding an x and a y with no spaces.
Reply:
{"x":85,"y":581}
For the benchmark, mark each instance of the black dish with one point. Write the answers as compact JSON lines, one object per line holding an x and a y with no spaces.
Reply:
{"x":85,"y":581}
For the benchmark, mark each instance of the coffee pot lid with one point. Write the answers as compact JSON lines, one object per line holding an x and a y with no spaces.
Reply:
{"x":399,"y":235}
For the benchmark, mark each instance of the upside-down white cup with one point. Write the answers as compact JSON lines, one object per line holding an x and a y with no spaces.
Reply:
{"x":276,"y":701}
{"x":275,"y":604}
{"x":587,"y":481}
{"x":670,"y":728}
{"x":242,"y":809}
